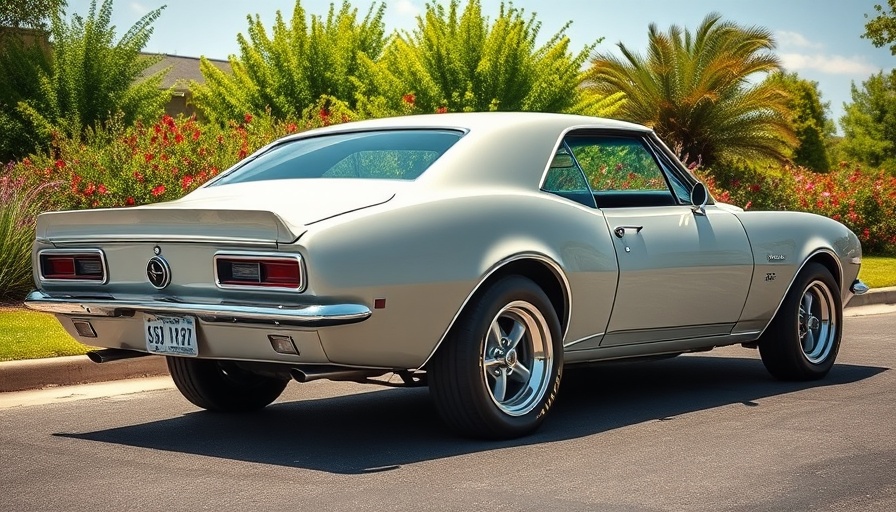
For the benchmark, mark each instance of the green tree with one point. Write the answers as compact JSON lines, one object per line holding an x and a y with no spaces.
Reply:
{"x":869,"y":124}
{"x":881,"y":29}
{"x":457,"y":60}
{"x":28,"y":13}
{"x":809,"y":119}
{"x":695,"y":90}
{"x":295,"y":66}
{"x":85,"y":79}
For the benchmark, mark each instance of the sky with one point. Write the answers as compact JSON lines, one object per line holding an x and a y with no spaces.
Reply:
{"x":818,"y":39}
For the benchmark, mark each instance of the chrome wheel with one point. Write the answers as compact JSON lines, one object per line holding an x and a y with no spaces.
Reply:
{"x":802,"y":341}
{"x":517,"y":358}
{"x":817,"y":322}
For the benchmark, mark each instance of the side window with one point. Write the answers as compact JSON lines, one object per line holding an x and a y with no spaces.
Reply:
{"x":621,"y":171}
{"x":565,"y":179}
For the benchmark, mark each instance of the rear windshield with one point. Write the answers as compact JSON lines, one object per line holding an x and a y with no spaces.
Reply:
{"x":386,"y":155}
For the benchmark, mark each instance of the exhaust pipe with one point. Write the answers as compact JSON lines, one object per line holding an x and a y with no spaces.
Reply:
{"x":310,"y":373}
{"x":113,"y":354}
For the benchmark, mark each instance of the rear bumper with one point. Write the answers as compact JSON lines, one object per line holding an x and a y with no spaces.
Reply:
{"x":302,"y":316}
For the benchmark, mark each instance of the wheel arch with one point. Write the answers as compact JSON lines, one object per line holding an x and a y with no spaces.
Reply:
{"x":542,"y":270}
{"x":829,"y":261}
{"x":824,"y":257}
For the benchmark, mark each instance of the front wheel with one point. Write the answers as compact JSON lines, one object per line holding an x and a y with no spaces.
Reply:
{"x":497,"y":373}
{"x":802,"y":341}
{"x":222,"y":385}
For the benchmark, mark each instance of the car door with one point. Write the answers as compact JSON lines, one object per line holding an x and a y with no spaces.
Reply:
{"x":684,"y":272}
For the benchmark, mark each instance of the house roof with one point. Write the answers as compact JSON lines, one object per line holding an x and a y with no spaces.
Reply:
{"x":182,"y":70}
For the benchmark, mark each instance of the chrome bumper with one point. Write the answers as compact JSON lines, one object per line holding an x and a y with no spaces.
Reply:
{"x":858,"y":287}
{"x":301,"y":316}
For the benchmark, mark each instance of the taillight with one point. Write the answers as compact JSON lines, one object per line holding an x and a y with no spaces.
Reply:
{"x":246,"y":271}
{"x":87,"y":266}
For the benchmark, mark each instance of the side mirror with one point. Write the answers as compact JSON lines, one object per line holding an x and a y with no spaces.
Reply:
{"x":699,"y":198}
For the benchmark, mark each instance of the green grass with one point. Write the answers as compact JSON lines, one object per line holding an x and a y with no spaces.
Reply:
{"x":28,"y":334}
{"x":878,"y":271}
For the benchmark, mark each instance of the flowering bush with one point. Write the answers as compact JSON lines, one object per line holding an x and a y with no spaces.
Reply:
{"x":864,"y":201}
{"x":117,"y":166}
{"x":125,"y":166}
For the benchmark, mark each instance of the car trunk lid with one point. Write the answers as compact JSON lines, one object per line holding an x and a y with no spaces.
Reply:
{"x":253,"y":212}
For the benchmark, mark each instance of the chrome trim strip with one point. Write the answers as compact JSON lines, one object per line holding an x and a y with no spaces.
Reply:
{"x":73,"y":252}
{"x":586,"y":338}
{"x":252,"y":256}
{"x":558,"y":271}
{"x":311,"y":315}
{"x":790,"y":284}
{"x":153,"y":238}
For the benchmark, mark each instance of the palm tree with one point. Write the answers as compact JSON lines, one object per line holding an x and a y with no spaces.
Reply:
{"x":698,"y":92}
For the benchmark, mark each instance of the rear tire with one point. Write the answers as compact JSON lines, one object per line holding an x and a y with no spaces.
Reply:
{"x":802,"y":341}
{"x":223,"y":386}
{"x":497,"y":372}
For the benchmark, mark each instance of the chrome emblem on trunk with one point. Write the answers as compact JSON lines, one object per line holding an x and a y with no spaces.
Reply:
{"x":158,"y":272}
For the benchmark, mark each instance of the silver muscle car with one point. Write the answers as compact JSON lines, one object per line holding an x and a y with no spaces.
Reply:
{"x":474,"y":253}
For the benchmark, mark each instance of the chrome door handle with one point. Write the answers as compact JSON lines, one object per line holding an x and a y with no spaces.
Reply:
{"x":620,"y":230}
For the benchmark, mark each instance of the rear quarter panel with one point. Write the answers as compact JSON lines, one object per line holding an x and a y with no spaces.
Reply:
{"x":427,"y":258}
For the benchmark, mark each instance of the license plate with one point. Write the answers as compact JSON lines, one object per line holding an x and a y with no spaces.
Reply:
{"x":170,"y":335}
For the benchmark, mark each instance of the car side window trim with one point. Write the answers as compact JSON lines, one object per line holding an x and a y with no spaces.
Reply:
{"x":585,"y":196}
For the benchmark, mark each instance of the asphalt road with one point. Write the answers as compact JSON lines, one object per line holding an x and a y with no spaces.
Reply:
{"x":699,"y":432}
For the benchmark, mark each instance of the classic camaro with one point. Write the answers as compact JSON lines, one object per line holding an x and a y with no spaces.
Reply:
{"x":474,"y":253}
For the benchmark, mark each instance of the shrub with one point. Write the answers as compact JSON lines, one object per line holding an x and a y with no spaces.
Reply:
{"x":865,"y":201}
{"x":116,"y":165}
{"x":19,"y":205}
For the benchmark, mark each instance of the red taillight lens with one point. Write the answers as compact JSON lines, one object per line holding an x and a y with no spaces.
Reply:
{"x":238,"y":271}
{"x":72,"y":267}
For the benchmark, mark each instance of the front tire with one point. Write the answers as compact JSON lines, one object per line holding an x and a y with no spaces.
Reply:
{"x":222,"y":386}
{"x":497,"y":372}
{"x":802,"y":341}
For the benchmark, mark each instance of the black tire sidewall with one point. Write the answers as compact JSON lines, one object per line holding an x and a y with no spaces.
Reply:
{"x":781,"y":349}
{"x":474,"y":327}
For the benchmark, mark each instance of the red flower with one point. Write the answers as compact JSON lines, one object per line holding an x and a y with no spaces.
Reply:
{"x":242,"y":153}
{"x":178,"y":138}
{"x":159,"y":190}
{"x":129,"y":201}
{"x":748,"y":205}
{"x":186,"y":181}
{"x":91,"y":188}
{"x":755,"y":187}
{"x":60,"y":164}
{"x":196,"y":135}
{"x":248,"y":118}
{"x":409,"y":99}
{"x":139,"y":177}
{"x":442,"y":110}
{"x":148,"y":157}
{"x":168,"y":120}
{"x":102,"y":189}
{"x":291,"y":127}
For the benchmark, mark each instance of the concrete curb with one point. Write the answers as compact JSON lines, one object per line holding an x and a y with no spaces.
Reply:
{"x":71,"y":370}
{"x":875,"y":296}
{"x":67,"y":371}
